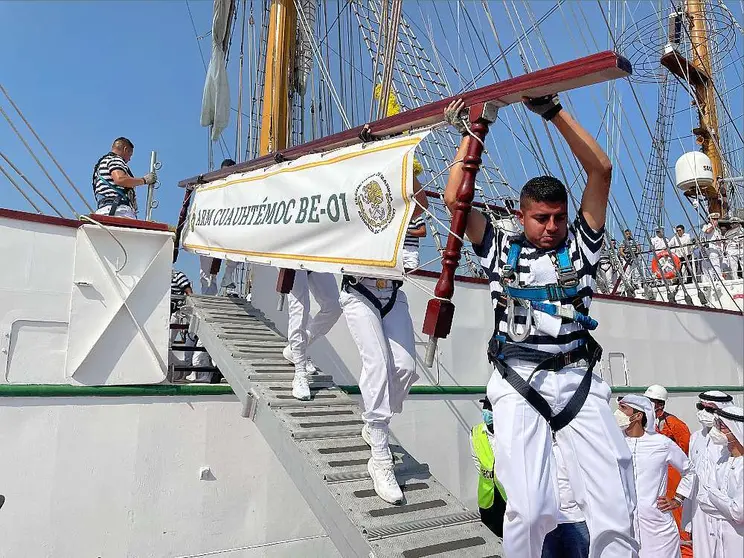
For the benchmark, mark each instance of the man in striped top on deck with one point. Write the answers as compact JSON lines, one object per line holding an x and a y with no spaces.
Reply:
{"x":114,"y":183}
{"x":416,"y":230}
{"x":180,"y":286}
{"x":542,"y":283}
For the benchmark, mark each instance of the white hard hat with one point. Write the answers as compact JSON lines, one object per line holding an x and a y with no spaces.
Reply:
{"x":656,"y":392}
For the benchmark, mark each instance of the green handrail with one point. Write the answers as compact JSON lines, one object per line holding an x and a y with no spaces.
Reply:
{"x":191,"y":390}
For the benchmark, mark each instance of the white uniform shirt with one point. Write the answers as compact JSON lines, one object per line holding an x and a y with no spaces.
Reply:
{"x":735,"y":241}
{"x":713,"y":238}
{"x":681,"y":245}
{"x":659,"y":244}
{"x":656,"y":530}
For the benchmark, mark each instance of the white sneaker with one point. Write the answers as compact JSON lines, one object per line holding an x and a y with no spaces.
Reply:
{"x":309,"y":366}
{"x":300,"y":388}
{"x":384,"y":481}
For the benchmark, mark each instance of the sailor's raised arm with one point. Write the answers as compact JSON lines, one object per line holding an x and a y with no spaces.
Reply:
{"x":476,"y":225}
{"x":592,"y":158}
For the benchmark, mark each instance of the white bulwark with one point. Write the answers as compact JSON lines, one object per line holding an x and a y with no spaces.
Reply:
{"x":339,"y":212}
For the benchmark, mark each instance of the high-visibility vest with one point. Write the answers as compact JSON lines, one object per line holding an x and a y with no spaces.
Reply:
{"x":487,"y":480}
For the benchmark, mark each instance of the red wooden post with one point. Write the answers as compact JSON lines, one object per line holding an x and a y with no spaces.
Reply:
{"x":440,"y":310}
{"x":284,"y":284}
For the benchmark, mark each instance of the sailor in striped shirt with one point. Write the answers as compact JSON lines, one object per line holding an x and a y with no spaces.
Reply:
{"x":416,"y":230}
{"x":114,"y":183}
{"x":180,"y":286}
{"x":542,"y":360}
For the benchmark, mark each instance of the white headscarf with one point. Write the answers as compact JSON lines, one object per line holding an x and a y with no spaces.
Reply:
{"x":715,"y":397}
{"x":643,"y":404}
{"x":736,"y":426}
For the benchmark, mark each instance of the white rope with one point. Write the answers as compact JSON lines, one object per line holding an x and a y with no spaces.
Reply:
{"x":105,"y":228}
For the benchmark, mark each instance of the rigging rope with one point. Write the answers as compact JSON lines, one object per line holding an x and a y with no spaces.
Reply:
{"x":35,"y":158}
{"x":20,"y":190}
{"x":69,"y":180}
{"x":27,"y":181}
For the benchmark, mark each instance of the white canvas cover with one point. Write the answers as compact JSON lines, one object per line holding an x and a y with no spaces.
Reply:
{"x":216,"y":99}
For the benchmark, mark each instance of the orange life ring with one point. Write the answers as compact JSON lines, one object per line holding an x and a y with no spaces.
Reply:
{"x":665,"y":264}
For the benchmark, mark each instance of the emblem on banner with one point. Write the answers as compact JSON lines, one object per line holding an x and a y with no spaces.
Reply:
{"x":374,"y":201}
{"x":191,"y":223}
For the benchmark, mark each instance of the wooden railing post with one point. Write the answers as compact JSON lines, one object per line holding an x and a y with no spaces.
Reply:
{"x":440,"y":310}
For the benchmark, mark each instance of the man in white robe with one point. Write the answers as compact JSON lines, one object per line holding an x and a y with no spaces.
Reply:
{"x":652,"y":453}
{"x":702,"y":453}
{"x":723,"y":482}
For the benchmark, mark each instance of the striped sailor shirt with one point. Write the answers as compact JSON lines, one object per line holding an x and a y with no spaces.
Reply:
{"x":179,"y":284}
{"x":412,"y":242}
{"x":103,"y":182}
{"x":535,"y":267}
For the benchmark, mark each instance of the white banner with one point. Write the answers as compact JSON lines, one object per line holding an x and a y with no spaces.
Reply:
{"x":339,"y":212}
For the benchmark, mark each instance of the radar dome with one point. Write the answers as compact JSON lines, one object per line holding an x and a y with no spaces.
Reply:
{"x":692,"y":170}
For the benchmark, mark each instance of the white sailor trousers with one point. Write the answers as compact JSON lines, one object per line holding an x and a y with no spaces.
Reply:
{"x":121,"y":211}
{"x":301,"y":329}
{"x":712,"y":267}
{"x":229,"y":277}
{"x":207,"y":281}
{"x":387,"y":350}
{"x":598,"y":463}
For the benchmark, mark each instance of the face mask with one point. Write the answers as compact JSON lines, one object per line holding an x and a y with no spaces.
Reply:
{"x":487,"y":416}
{"x":717,"y":437}
{"x":705,"y":418}
{"x":622,"y":420}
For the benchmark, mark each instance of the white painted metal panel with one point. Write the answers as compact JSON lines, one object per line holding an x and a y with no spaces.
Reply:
{"x":121,"y":478}
{"x":35,"y":286}
{"x":119,"y":311}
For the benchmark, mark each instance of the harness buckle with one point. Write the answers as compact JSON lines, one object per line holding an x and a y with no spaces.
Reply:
{"x":565,"y":311}
{"x":507,"y":273}
{"x":568,"y":278}
{"x":511,"y":325}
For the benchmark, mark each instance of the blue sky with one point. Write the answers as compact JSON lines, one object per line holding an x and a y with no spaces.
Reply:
{"x":86,"y":72}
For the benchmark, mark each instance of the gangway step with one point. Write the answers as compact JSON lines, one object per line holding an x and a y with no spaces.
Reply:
{"x":319,"y":443}
{"x":182,"y":347}
{"x":187,"y":368}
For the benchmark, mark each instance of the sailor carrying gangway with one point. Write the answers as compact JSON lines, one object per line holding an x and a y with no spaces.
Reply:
{"x":543,"y":388}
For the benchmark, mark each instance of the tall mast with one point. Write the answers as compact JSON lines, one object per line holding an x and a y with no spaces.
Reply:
{"x":275,"y":114}
{"x":707,"y":134}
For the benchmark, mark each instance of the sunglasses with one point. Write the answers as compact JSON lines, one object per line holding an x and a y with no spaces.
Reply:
{"x":701,"y":407}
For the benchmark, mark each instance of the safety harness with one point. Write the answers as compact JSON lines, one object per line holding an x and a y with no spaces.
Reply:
{"x":565,"y":303}
{"x":122,"y":198}
{"x":349,"y":282}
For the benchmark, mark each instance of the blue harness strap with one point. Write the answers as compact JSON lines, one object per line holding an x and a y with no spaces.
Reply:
{"x":565,"y":293}
{"x":122,"y":196}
